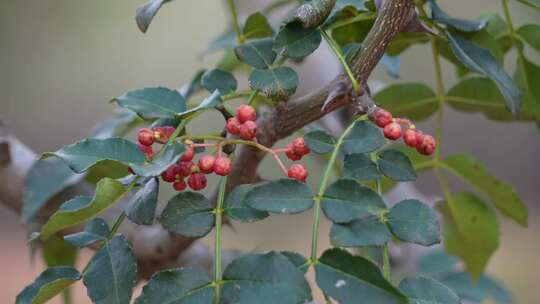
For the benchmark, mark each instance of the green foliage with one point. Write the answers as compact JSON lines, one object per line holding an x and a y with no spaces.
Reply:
{"x":170,"y":154}
{"x":146,"y":13}
{"x":150,"y":103}
{"x":531,"y":34}
{"x":95,"y":230}
{"x":319,"y":141}
{"x":413,"y":100}
{"x":48,"y":284}
{"x":422,"y":290}
{"x":258,"y":53}
{"x":188,"y":214}
{"x":296,"y":41}
{"x":220,"y":80}
{"x":117,"y":125}
{"x":396,"y":166}
{"x":285,"y":196}
{"x":366,"y":231}
{"x":237,"y":208}
{"x":412,"y":221}
{"x":440,"y":16}
{"x":142,"y":207}
{"x":363,"y":138}
{"x":257,"y":26}
{"x":111,"y":273}
{"x":209,"y":102}
{"x":478,"y":291}
{"x":360,"y":167}
{"x":275,"y":83}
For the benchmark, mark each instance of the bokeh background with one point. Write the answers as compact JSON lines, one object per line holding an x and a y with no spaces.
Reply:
{"x":61,"y":61}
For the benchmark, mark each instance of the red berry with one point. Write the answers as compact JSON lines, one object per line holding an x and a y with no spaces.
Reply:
{"x":298,"y":172}
{"x":392,"y":131}
{"x":233,"y":126}
{"x":222,"y":166}
{"x":410,"y":137}
{"x":147,"y":150}
{"x":382,"y":118}
{"x":169,"y":175}
{"x":183,"y":168}
{"x":197,"y":181}
{"x":188,"y":155}
{"x":419,"y":137}
{"x":146,"y":137}
{"x":162,"y":134}
{"x":179,"y":185}
{"x":206,"y":164}
{"x":300,"y":147}
{"x":290,"y":153}
{"x":427,"y":146}
{"x":246,"y":113}
{"x":248,"y":130}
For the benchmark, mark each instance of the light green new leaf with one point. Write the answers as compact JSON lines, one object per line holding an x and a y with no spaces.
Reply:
{"x":345,"y":201}
{"x":349,"y":278}
{"x":257,"y":26}
{"x":168,"y":157}
{"x":503,"y":195}
{"x":49,"y":283}
{"x":396,"y":165}
{"x":111,"y":273}
{"x":150,"y":103}
{"x":364,"y":137}
{"x":360,"y":167}
{"x":422,"y":290}
{"x":531,"y":34}
{"x":86,"y":153}
{"x":265,"y":279}
{"x":367,"y":231}
{"x":470,"y":231}
{"x":94,"y":231}
{"x":275,"y":83}
{"x":237,"y":209}
{"x":480,"y":60}
{"x":258,"y":53}
{"x":142,"y":207}
{"x":285,"y":196}
{"x":188,"y":214}
{"x":319,"y":141}
{"x":220,"y":80}
{"x":296,"y":41}
{"x":83,"y":208}
{"x":189,"y":285}
{"x":414,"y":222}
{"x":413,"y":100}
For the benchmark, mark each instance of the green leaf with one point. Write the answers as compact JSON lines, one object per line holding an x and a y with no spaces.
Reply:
{"x":57,"y":252}
{"x":345,"y":201}
{"x":117,"y":125}
{"x":150,"y":103}
{"x":360,"y":167}
{"x":188,"y":214}
{"x":237,"y":209}
{"x":531,"y":34}
{"x":264,"y":278}
{"x":470,"y":231}
{"x":422,"y":290}
{"x":185,"y":285}
{"x":142,"y":207}
{"x":169,"y":156}
{"x":413,"y":100}
{"x":296,"y":41}
{"x":461,"y":24}
{"x":396,"y":165}
{"x":209,"y":102}
{"x":95,"y":230}
{"x":111,"y":273}
{"x":367,"y":231}
{"x":477,"y":291}
{"x":44,"y":179}
{"x":83,"y":208}
{"x":280,"y":196}
{"x":348,"y":278}
{"x":86,"y":153}
{"x":503,"y":195}
{"x":482,"y":61}
{"x":226,"y":40}
{"x":49,"y":283}
{"x":193,"y":86}
{"x":257,"y":26}
{"x":531,"y":97}
{"x":145,"y":13}
{"x":437,"y":263}
{"x":257,"y":53}
{"x":412,"y":221}
{"x":297,"y":259}
{"x":275,"y":83}
{"x":363,"y":138}
{"x":220,"y":80}
{"x":319,"y":141}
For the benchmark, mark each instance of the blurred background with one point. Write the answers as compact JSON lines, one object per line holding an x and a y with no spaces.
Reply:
{"x":61,"y":61}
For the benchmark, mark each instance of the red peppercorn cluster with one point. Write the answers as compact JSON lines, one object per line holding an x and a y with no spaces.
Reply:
{"x":148,"y":136}
{"x":392,"y":128}
{"x":195,"y":173}
{"x":243,"y":124}
{"x":295,"y":150}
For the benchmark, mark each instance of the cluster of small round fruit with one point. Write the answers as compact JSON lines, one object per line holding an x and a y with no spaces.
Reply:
{"x":148,"y":136}
{"x":195,"y":173}
{"x":295,"y":150}
{"x":392,"y":128}
{"x":243,"y":124}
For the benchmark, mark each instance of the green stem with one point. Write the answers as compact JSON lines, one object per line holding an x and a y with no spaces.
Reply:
{"x":322,"y":188}
{"x":217,"y":240}
{"x":361,"y":17}
{"x":386,"y":261}
{"x":252,"y":97}
{"x":335,"y":48}
{"x":116,"y":225}
{"x":521,"y":56}
{"x":67,"y":295}
{"x":236,"y":26}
